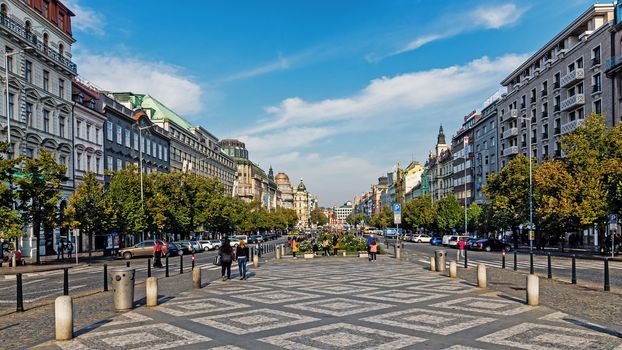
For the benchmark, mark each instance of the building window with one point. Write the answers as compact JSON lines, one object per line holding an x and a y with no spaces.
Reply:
{"x":61,"y":21}
{"x":598,"y":107}
{"x":109,"y":131}
{"x":596,"y":56}
{"x":61,"y":49}
{"x":135,"y":140}
{"x":61,"y":88}
{"x":46,"y":80}
{"x":28,"y":113}
{"x":165,"y":153}
{"x":45,"y":9}
{"x":89,"y":166}
{"x":97,"y":165}
{"x":61,"y":126}
{"x":62,"y":160}
{"x":119,"y":135}
{"x":596,"y":83}
{"x":8,"y":50}
{"x":46,"y":120}
{"x":79,"y":161}
{"x":28,"y":71}
{"x":97,"y":136}
{"x":109,"y":163}
{"x":88,"y":132}
{"x":128,"y":137}
{"x":119,"y":164}
{"x":78,"y":129}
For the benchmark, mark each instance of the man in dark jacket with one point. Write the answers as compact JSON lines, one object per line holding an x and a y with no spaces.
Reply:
{"x":226,"y":257}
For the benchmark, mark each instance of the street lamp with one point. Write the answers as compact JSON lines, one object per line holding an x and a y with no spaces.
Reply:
{"x":8,"y":54}
{"x":140,"y":157}
{"x":530,"y":183}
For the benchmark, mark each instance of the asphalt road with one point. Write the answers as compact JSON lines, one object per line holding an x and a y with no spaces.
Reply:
{"x":43,"y":287}
{"x":588,"y":272}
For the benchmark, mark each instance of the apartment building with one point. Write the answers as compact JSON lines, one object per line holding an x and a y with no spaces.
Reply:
{"x":485,"y":153}
{"x":462,"y":154}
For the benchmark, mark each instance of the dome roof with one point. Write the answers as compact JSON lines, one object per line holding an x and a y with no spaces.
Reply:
{"x":301,"y":186}
{"x":281,"y":177}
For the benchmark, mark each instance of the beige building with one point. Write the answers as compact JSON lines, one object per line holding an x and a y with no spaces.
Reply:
{"x":286,"y":189}
{"x":301,"y":204}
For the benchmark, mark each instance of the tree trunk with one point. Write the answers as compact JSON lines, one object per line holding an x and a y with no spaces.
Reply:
{"x":36,"y":230}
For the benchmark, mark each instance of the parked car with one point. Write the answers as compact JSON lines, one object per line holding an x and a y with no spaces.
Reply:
{"x":234,"y":242}
{"x":407,"y":238}
{"x":185,"y":247}
{"x":207,"y":245}
{"x":491,"y":245}
{"x":436,"y":240}
{"x":143,"y":249}
{"x":171,"y":249}
{"x":198,"y":247}
{"x":255,"y":239}
{"x":469,"y":242}
{"x":421,"y":238}
{"x":216,"y":243}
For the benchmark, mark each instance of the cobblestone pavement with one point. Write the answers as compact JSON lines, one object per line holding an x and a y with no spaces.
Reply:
{"x":343,"y":303}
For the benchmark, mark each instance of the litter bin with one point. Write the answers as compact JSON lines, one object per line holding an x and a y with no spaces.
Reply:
{"x":123,"y":287}
{"x":398,"y":251}
{"x":439,"y":258}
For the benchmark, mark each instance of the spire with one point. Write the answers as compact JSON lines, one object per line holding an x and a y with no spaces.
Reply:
{"x":441,"y":136}
{"x":271,"y":174}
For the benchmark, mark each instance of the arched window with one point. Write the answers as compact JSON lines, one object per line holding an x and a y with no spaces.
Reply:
{"x":28,"y":26}
{"x":46,"y":39}
{"x":61,"y":49}
{"x":4,"y":10}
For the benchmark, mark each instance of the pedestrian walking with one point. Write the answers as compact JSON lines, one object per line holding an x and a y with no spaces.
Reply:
{"x":242,"y":254}
{"x":325,"y":244}
{"x":370,"y":238}
{"x":335,"y":240}
{"x":294,"y":247}
{"x":373,"y":249}
{"x":226,"y":256}
{"x":69,"y":249}
{"x":460,"y":252}
{"x":158,"y":251}
{"x":60,"y":250}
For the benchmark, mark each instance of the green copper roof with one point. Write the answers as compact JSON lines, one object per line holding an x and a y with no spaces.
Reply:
{"x":160,"y":111}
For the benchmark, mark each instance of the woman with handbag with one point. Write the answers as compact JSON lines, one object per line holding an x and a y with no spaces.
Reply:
{"x":226,"y":257}
{"x":242,"y":254}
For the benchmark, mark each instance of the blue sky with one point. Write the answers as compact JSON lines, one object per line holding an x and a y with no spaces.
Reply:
{"x":335,"y":92}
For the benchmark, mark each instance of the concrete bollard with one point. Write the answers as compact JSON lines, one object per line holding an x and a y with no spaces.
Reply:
{"x":152,"y":291}
{"x":432,"y":264}
{"x":278,"y":254}
{"x":63,"y":314}
{"x":481,"y":275}
{"x":344,"y":253}
{"x":398,"y":251}
{"x":255,"y":261}
{"x":196,"y":278}
{"x":453,"y":269}
{"x":533,"y":290}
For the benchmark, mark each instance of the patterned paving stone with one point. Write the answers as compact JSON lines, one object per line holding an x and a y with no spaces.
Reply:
{"x":386,"y":283}
{"x":290,"y":283}
{"x":338,"y":307}
{"x":432,"y":321}
{"x":199,"y":306}
{"x":452,"y":288}
{"x":233,"y":287}
{"x":488,"y":305}
{"x":403,"y":296}
{"x":149,"y":337}
{"x":255,"y":321}
{"x":340,"y":289}
{"x":270,"y":297}
{"x":342,"y":336}
{"x":538,"y":336}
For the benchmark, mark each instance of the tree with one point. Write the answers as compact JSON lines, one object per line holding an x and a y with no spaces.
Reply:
{"x":420,"y":212}
{"x":355,"y":219}
{"x":10,"y":221}
{"x":124,"y":192}
{"x":317,"y":217}
{"x":90,"y":209}
{"x":40,"y":194}
{"x":474,"y":214}
{"x":383,"y":219}
{"x":448,"y":212}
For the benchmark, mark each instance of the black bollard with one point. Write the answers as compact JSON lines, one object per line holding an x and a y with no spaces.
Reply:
{"x":149,"y":267}
{"x":515,"y":261}
{"x":193,"y":261}
{"x":531,"y":263}
{"x":105,"y":277}
{"x":607,"y":286}
{"x":65,"y":281}
{"x":574,"y":269}
{"x":20,"y":294}
{"x":181,"y":264}
{"x":503,"y":259}
{"x":166,"y":266}
{"x":466,"y":260}
{"x":549,"y":266}
{"x":127,"y":264}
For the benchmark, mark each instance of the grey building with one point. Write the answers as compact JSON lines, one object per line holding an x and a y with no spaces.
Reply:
{"x":486,"y":155}
{"x":551,"y":93}
{"x":127,"y":133}
{"x":462,"y":153}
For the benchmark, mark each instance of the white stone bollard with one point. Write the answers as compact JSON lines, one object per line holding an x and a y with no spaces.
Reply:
{"x":152,"y":291}
{"x":278,"y":253}
{"x":255,"y":260}
{"x":481,"y":275}
{"x":63,"y":314}
{"x":533,"y":290}
{"x":453,"y":269}
{"x":398,"y":251}
{"x":196,"y":278}
{"x":432,"y":264}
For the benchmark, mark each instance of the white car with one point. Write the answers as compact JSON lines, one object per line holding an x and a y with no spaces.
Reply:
{"x":207,"y":245}
{"x":234,"y":242}
{"x":423,"y":238}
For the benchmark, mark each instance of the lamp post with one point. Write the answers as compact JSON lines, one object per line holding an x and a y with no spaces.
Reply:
{"x":530,"y":184}
{"x":140,"y":156}
{"x":8,"y":54}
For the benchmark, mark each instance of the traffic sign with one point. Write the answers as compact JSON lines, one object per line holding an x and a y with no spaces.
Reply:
{"x":397,"y":208}
{"x":613,"y":219}
{"x":532,"y":236}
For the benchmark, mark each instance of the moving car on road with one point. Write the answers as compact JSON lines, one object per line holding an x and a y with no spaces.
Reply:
{"x":207,"y":245}
{"x":436,"y":240}
{"x":421,"y":238}
{"x":490,"y":245}
{"x":144,"y":249}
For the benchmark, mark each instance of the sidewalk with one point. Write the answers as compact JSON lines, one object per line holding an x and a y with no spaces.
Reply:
{"x":343,"y":303}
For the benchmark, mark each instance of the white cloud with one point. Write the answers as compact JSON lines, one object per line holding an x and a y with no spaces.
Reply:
{"x":282,"y":63}
{"x":86,"y":20}
{"x":483,"y":17}
{"x":161,"y":80}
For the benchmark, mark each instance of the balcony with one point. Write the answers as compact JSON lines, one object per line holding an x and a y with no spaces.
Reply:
{"x":573,"y":76}
{"x":513,"y":114}
{"x":568,"y":127}
{"x":510,"y":133}
{"x":510,"y":151}
{"x":573,"y":101}
{"x":16,"y":29}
